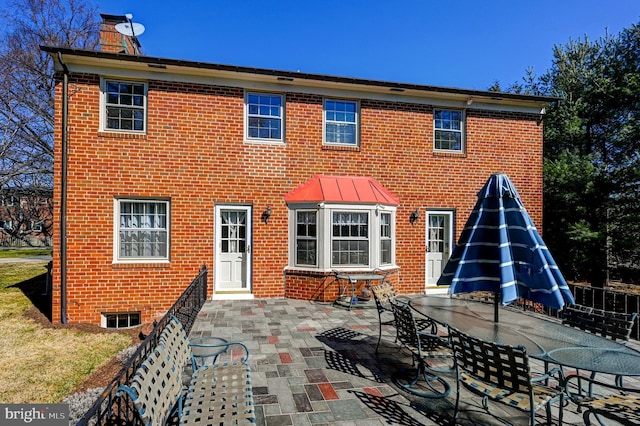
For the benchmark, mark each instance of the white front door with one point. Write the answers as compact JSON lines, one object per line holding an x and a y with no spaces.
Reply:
{"x":233,"y":249}
{"x":439,"y":243}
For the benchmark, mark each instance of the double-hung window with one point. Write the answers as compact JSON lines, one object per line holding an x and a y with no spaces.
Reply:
{"x":448,"y":126}
{"x":385,"y":239}
{"x":142,"y":230}
{"x":306,"y":238}
{"x":125,"y":106}
{"x":264,"y":116}
{"x":340,"y":122}
{"x":350,"y":239}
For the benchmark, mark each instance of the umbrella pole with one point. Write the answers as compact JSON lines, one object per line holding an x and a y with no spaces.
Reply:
{"x":496,"y":299}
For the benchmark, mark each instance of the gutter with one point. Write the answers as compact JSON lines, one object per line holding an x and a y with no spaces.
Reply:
{"x":63,"y":192}
{"x":290,"y":77}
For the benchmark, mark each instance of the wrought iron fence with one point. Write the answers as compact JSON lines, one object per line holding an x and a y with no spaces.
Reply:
{"x":110,"y":409}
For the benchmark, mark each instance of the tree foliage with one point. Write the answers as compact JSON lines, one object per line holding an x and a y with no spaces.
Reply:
{"x":592,"y":155}
{"x":27,"y":84}
{"x":27,"y":89}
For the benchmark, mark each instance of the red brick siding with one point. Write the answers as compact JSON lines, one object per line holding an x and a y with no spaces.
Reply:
{"x":194,"y":154}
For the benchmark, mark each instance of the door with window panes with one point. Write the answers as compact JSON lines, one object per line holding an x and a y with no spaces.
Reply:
{"x":439,"y":243}
{"x":233,"y":249}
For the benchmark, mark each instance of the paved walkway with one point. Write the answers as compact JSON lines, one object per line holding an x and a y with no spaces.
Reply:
{"x":315,"y":364}
{"x":25,"y":259}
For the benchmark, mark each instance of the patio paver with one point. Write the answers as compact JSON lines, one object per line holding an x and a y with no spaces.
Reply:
{"x":315,"y":364}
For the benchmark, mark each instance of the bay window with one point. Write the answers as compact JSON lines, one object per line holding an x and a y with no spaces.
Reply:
{"x":341,"y":236}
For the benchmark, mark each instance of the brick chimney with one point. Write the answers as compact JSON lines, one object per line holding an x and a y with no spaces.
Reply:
{"x":112,"y":41}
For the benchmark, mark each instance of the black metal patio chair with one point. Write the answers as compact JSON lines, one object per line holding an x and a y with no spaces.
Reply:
{"x":423,"y":346}
{"x":501,"y":373}
{"x":384,"y":296}
{"x":604,"y":400}
{"x":612,"y":325}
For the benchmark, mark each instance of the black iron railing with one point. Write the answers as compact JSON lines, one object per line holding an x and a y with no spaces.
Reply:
{"x":110,"y":409}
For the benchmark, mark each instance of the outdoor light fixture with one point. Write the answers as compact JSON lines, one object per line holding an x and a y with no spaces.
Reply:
{"x":266,"y":214}
{"x":414,"y":216}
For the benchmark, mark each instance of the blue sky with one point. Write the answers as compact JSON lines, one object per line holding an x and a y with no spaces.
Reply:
{"x":465,"y":44}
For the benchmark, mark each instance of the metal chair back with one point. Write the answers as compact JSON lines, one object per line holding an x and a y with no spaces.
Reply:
{"x":422,"y":345}
{"x":384,"y":295}
{"x":609,"y":324}
{"x":501,"y":373}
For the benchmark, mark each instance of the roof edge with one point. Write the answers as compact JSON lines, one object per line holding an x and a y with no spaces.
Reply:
{"x":395,"y":86}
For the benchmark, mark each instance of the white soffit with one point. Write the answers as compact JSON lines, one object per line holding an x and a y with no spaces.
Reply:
{"x":115,"y":68}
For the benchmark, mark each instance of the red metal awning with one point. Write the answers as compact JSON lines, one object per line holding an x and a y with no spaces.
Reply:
{"x":342,"y":189}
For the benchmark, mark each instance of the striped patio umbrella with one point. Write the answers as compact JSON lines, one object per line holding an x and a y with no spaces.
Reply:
{"x":501,"y":251}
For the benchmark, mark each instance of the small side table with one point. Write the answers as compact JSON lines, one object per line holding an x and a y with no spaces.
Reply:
{"x":347,"y":298}
{"x":206,"y":350}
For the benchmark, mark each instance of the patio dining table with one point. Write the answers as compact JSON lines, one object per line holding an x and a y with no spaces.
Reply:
{"x":545,"y":340}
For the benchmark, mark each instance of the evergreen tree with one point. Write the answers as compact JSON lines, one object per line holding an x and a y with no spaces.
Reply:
{"x":592,"y":155}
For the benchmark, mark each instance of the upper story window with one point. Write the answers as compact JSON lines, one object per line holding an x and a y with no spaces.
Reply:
{"x":125,"y":106}
{"x":142,"y":230}
{"x":264,"y":116}
{"x":341,"y":122}
{"x":9,"y":200}
{"x":448,"y":126}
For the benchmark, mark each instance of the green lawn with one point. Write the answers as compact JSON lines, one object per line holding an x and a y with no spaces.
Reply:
{"x":43,"y":364}
{"x":26,"y":252}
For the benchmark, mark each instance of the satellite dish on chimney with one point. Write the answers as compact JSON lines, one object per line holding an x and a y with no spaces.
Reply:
{"x":130,"y":29}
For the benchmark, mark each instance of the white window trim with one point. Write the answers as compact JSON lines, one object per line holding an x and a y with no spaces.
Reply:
{"x":463,"y":131}
{"x":324,"y":123}
{"x":391,"y":238}
{"x":116,"y":232}
{"x":296,"y":238}
{"x":324,"y":235}
{"x":282,"y":117}
{"x":103,"y":105}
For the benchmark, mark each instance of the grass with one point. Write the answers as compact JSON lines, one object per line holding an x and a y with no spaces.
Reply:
{"x":42,"y":364}
{"x":26,"y":252}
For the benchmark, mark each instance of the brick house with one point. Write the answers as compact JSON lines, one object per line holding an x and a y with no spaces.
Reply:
{"x":26,"y":217}
{"x":271,"y":178}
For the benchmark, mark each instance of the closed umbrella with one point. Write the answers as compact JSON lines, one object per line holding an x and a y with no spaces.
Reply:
{"x":501,"y":251}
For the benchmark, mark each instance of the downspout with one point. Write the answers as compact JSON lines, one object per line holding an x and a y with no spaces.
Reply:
{"x":63,"y":193}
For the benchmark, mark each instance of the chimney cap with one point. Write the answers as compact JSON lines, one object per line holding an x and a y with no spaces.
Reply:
{"x":113,"y":18}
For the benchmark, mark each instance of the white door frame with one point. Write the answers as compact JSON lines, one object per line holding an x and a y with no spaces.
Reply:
{"x":448,"y":246}
{"x":246,"y":291}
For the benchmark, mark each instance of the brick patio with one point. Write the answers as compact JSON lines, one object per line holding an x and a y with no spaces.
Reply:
{"x":315,"y":364}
